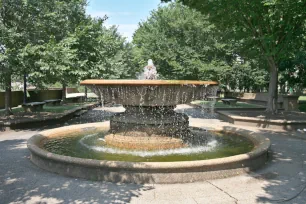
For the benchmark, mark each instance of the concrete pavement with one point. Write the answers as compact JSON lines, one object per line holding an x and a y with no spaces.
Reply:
{"x":282,"y":178}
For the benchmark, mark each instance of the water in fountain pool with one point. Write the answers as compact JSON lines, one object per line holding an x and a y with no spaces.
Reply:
{"x":203,"y":145}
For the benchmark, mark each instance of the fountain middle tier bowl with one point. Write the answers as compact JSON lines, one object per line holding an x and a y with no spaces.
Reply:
{"x":151,"y":92}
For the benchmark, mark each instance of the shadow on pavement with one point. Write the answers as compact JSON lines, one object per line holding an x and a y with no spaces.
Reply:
{"x":23,"y":182}
{"x":283,"y":178}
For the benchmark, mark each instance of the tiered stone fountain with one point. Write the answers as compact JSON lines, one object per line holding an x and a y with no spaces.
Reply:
{"x":149,"y":124}
{"x":149,"y":121}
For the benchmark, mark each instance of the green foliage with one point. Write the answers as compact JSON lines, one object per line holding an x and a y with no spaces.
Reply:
{"x":34,"y":26}
{"x":92,"y":51}
{"x":244,"y":77}
{"x":53,"y":62}
{"x":294,"y":71}
{"x":185,"y":45}
{"x":181,"y":42}
{"x":54,"y":41}
{"x":104,"y":52}
{"x":271,"y":26}
{"x":293,"y":67}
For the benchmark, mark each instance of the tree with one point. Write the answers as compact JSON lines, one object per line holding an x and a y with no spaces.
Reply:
{"x":11,"y":40}
{"x":182,"y":43}
{"x":185,"y":45}
{"x":103,"y":50}
{"x":245,"y":76}
{"x":293,"y":69}
{"x":54,"y":32}
{"x":271,"y":27}
{"x":91,"y":51}
{"x":33,"y":23}
{"x":54,"y":62}
{"x":293,"y":72}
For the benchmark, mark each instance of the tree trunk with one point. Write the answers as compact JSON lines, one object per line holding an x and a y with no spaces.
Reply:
{"x":8,"y":95}
{"x":273,"y":85}
{"x":25,"y":88}
{"x":86,"y":93}
{"x":64,"y":93}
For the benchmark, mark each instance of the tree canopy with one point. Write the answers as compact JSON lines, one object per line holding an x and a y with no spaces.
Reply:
{"x":182,"y":43}
{"x":271,"y":28}
{"x":185,"y":45}
{"x":240,"y":43}
{"x":55,"y":41}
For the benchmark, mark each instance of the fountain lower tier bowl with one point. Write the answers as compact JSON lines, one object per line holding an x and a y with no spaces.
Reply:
{"x":78,"y":151}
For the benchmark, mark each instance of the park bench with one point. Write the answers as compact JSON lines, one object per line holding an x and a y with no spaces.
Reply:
{"x":33,"y":107}
{"x":229,"y":101}
{"x":53,"y":102}
{"x":212,"y":98}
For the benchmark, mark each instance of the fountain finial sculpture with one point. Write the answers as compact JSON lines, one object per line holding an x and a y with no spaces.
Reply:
{"x":149,"y":71}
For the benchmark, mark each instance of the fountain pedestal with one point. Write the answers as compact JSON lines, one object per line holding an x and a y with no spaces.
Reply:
{"x":150,"y":120}
{"x":153,"y":142}
{"x":148,"y":128}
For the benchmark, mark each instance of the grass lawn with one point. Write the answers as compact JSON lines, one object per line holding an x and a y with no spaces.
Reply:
{"x":302,"y":107}
{"x":302,"y":98}
{"x":220,"y":104}
{"x":48,"y":109}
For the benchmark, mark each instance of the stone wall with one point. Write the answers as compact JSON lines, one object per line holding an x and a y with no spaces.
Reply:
{"x":33,"y":96}
{"x":71,"y":90}
{"x":17,"y":98}
{"x":41,"y":95}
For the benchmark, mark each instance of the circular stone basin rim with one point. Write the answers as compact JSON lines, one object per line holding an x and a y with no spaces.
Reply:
{"x":145,"y":82}
{"x":261,"y":143}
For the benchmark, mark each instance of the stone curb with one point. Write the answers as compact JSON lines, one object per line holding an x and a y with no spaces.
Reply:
{"x":63,"y":116}
{"x":230,"y":109}
{"x":263,"y":123}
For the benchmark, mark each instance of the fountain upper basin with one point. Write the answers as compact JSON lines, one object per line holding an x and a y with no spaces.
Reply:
{"x":151,"y":92}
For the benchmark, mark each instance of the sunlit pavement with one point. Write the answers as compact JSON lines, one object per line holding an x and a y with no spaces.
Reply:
{"x":283,"y":179}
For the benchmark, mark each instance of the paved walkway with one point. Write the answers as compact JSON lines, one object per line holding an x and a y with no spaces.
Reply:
{"x":282,"y":178}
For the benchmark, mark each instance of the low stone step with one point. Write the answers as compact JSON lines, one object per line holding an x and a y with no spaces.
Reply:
{"x":80,"y":112}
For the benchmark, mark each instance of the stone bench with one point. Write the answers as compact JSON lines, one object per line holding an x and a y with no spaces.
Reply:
{"x":53,"y":102}
{"x":33,"y":107}
{"x":229,"y":101}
